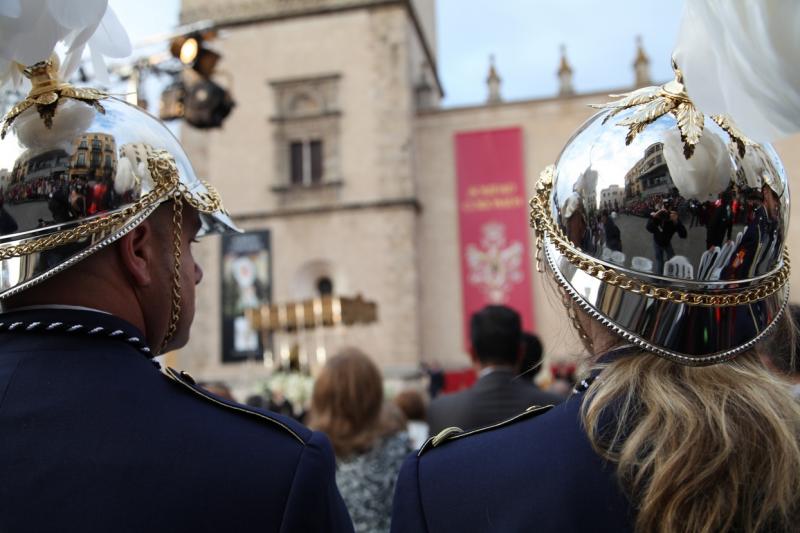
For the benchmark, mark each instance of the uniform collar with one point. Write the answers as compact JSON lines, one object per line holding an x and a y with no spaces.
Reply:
{"x":495,"y":370}
{"x":605,"y":359}
{"x":72,"y":320}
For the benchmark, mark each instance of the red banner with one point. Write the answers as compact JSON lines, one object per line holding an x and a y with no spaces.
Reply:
{"x":493,"y":222}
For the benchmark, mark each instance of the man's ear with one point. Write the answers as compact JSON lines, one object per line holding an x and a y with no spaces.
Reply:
{"x":137,"y":253}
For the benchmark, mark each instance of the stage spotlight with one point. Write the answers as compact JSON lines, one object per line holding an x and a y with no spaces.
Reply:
{"x":192,"y":52}
{"x":206,"y":104}
{"x":188,"y":51}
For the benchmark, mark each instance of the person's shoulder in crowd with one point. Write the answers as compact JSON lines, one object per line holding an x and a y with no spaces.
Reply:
{"x":536,"y":472}
{"x":537,"y":396}
{"x":449,"y":409}
{"x":130,"y":436}
{"x":493,"y":398}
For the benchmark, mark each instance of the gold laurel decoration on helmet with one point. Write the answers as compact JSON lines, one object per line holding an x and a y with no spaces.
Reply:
{"x":726,"y":123}
{"x":47,"y":91}
{"x":543,"y":225}
{"x":654,"y":102}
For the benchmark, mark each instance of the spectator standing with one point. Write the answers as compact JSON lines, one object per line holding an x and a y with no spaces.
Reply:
{"x":499,"y":393}
{"x":412,"y":404}
{"x":663,"y":224}
{"x":720,"y":225}
{"x":612,"y":233}
{"x":348,"y":405}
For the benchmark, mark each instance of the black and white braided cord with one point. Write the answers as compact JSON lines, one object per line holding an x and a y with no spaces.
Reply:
{"x":77,"y":329}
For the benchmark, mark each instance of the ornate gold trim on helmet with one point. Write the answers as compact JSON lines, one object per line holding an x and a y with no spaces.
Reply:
{"x":636,"y":339}
{"x":544,"y":227}
{"x":165,"y":174}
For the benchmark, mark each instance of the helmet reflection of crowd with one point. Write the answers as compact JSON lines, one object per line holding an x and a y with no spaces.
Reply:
{"x":720,"y":223}
{"x":760,"y":239}
{"x":663,"y":224}
{"x":7,"y":223}
{"x":613,"y":238}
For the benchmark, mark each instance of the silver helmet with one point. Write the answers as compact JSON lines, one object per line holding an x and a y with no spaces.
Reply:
{"x":78,"y":170}
{"x":667,"y":226}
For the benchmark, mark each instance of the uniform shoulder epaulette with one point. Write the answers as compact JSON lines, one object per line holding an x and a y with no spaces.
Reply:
{"x":188,"y":382}
{"x":454,"y":433}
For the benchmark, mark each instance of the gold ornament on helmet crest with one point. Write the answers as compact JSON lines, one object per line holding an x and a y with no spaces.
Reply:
{"x":46,"y":92}
{"x":654,"y":102}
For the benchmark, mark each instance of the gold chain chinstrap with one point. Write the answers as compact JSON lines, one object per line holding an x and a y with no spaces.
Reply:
{"x":177,"y":250}
{"x":544,"y":226}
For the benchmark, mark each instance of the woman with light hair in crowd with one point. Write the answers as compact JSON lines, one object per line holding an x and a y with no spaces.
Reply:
{"x":367,"y":436}
{"x":679,"y":426}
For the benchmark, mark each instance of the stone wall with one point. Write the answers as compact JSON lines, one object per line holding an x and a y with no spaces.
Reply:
{"x":363,"y":227}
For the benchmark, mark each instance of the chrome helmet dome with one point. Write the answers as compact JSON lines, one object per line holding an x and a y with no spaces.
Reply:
{"x":78,"y":170}
{"x":650,"y":171}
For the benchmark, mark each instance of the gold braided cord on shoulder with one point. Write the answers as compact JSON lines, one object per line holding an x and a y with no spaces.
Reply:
{"x":542,"y":223}
{"x":164,"y":172}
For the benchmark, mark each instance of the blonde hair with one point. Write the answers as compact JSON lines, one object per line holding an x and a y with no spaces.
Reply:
{"x":699,"y":449}
{"x":347,"y":404}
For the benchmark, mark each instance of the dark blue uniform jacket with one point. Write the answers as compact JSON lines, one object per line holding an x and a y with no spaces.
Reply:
{"x":536,"y":473}
{"x":93,"y":437}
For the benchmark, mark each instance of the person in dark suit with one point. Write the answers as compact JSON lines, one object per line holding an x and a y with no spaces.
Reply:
{"x":101,"y":440}
{"x":500,"y":392}
{"x":95,"y":437}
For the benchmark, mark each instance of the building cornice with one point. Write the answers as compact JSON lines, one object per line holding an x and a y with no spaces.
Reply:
{"x":235,"y":14}
{"x":601,"y":97}
{"x":403,"y":203}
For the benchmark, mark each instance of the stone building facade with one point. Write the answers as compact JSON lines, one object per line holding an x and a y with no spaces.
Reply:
{"x":338,"y":147}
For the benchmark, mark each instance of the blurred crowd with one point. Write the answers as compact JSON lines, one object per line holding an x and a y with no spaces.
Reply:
{"x":372,"y":431}
{"x":372,"y":434}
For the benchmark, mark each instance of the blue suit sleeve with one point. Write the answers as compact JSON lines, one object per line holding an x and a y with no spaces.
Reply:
{"x":407,"y":514}
{"x":314,"y":503}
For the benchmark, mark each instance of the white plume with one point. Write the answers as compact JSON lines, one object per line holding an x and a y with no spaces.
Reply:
{"x":31,"y":29}
{"x":740,"y":57}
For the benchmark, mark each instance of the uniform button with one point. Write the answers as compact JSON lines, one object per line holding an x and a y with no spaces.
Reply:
{"x":188,"y":377}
